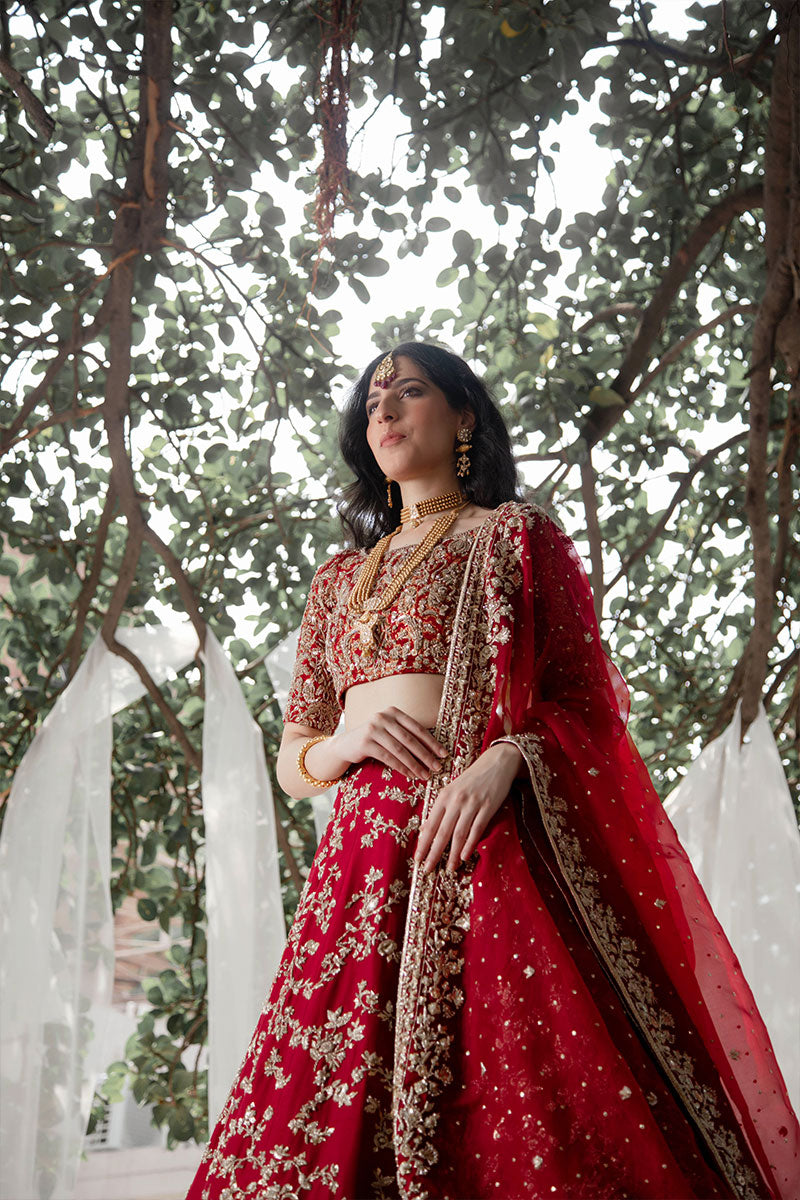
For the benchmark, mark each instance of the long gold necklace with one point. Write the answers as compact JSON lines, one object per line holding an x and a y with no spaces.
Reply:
{"x":367,"y":608}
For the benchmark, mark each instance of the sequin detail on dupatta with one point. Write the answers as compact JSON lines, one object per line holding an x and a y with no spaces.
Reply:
{"x":483,"y":701}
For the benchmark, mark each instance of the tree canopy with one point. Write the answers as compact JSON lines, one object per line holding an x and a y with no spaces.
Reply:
{"x":180,"y":221}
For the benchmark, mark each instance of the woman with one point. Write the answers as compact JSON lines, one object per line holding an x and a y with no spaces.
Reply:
{"x":503,"y":978}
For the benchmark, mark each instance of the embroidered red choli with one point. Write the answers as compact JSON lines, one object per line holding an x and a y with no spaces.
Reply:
{"x":413,"y":635}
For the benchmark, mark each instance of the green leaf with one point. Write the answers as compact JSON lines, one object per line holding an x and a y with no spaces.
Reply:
{"x":604,"y":397}
{"x":545,"y":326}
{"x":181,"y":1123}
{"x":553,"y":220}
{"x":373,"y":266}
{"x":147,"y":909}
{"x":464,"y":245}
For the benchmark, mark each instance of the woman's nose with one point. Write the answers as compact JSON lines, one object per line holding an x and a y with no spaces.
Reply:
{"x":385,"y":410}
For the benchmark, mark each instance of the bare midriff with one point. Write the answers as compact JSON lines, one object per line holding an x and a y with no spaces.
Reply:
{"x":416,"y":694}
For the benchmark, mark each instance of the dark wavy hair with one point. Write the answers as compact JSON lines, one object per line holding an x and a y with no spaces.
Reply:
{"x":363,"y":510}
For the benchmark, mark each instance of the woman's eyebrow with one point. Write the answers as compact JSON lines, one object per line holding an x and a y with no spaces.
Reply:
{"x":395,"y":383}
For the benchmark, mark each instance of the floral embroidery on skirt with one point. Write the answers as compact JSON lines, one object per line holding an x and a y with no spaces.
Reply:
{"x":552,"y":1093}
{"x":310,"y":1112}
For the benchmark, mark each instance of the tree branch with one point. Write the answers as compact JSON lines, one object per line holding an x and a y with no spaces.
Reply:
{"x":602,"y":418}
{"x":91,"y":581}
{"x":787,"y":465}
{"x":791,"y":661}
{"x":782,"y":214}
{"x":32,"y":105}
{"x":718,"y":64}
{"x":288,"y":857}
{"x":125,"y":578}
{"x":175,"y":727}
{"x":185,"y":589}
{"x":7,"y":190}
{"x":676,"y":350}
{"x":626,"y":308}
{"x":59,"y":418}
{"x":82,"y":335}
{"x":139,"y":226}
{"x":678,"y":495}
{"x":593,"y":531}
{"x":555,"y":456}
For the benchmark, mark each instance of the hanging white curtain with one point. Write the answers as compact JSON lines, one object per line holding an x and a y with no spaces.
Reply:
{"x":280,"y":664}
{"x":246,"y":926}
{"x":56,"y":926}
{"x":733,"y":813}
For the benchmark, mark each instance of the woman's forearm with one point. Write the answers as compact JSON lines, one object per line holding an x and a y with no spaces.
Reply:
{"x":324,"y":761}
{"x":507,"y":754}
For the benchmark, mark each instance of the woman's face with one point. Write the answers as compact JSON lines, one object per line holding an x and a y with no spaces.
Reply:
{"x":411,"y":429}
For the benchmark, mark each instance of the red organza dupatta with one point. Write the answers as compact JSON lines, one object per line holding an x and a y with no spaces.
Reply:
{"x":628,"y":880}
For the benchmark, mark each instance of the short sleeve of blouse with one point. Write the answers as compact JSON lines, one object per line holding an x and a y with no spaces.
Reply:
{"x":312,"y":695}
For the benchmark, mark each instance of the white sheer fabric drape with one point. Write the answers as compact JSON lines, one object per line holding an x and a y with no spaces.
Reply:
{"x":246,"y":927}
{"x":56,"y":926}
{"x":280,"y":664}
{"x":734,"y":815}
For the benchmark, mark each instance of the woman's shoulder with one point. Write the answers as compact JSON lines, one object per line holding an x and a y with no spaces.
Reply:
{"x":524,"y":516}
{"x":527,"y":533}
{"x":332,"y":567}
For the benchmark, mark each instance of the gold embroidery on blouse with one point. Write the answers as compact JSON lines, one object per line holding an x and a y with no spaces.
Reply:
{"x":414,"y":635}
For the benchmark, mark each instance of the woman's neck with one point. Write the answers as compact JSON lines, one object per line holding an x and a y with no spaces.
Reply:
{"x":414,"y":491}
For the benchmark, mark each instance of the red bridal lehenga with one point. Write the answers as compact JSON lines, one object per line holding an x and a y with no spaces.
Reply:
{"x":560,"y":1017}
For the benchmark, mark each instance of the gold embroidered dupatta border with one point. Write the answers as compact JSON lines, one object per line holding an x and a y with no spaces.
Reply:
{"x":438,"y":915}
{"x":429,"y":994}
{"x":620,"y":957}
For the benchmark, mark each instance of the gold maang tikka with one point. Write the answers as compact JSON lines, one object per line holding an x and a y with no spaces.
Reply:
{"x":386,"y":371}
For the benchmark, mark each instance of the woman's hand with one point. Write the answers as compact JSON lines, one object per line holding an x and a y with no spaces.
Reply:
{"x":465,"y":807}
{"x":395,"y":739}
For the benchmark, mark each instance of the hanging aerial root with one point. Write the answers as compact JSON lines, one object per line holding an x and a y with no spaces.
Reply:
{"x":338,"y":22}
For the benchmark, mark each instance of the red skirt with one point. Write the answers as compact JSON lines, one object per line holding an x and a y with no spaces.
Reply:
{"x":553,"y":1094}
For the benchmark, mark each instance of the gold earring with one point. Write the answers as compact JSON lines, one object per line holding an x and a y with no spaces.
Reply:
{"x":388,"y":490}
{"x":464,"y":436}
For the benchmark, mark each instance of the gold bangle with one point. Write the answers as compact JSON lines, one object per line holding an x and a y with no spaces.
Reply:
{"x":301,"y":764}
